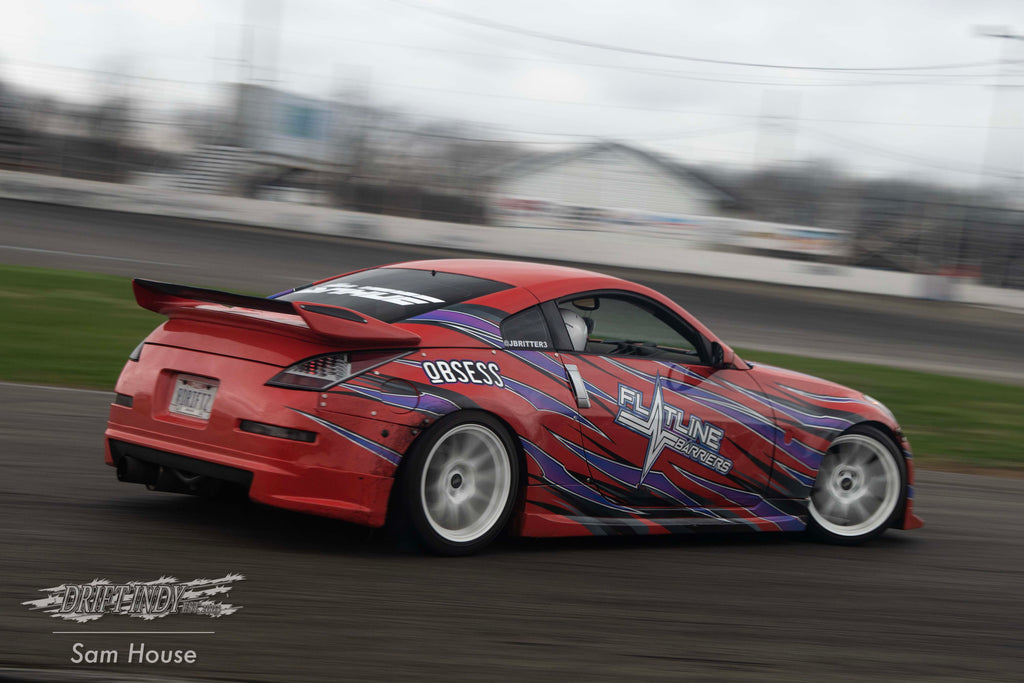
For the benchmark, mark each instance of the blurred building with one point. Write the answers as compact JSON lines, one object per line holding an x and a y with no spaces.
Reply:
{"x":284,"y":127}
{"x":607,"y":186}
{"x":273,"y":144}
{"x":15,"y":143}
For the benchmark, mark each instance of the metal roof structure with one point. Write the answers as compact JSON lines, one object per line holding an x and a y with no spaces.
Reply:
{"x":679,"y":172}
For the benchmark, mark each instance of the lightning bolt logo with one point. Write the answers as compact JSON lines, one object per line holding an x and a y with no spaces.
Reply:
{"x":651,"y":425}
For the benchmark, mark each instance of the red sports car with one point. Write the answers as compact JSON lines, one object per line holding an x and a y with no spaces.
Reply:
{"x":455,"y":399}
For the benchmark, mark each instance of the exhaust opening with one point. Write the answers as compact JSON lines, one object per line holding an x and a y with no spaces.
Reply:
{"x":162,"y":471}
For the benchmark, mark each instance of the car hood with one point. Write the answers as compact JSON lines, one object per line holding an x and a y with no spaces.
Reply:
{"x":797,"y":388}
{"x":768,"y":375}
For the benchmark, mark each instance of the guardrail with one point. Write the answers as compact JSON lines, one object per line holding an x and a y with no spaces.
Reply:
{"x":648,"y":252}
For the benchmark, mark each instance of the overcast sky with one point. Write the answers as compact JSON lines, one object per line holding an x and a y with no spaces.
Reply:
{"x":558,"y":71}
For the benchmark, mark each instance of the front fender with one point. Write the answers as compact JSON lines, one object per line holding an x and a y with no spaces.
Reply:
{"x":810,"y":413}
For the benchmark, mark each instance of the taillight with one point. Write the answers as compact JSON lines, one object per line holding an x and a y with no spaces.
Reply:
{"x":318,"y":372}
{"x":323,"y":372}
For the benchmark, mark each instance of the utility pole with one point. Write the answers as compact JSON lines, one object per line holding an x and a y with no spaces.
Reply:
{"x":256,"y":55}
{"x":777,"y":128}
{"x":1004,"y":149}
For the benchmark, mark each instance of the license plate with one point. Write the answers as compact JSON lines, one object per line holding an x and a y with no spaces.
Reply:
{"x":193,"y":396}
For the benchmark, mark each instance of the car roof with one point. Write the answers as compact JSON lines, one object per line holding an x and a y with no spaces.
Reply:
{"x":545,"y":281}
{"x":515,"y":273}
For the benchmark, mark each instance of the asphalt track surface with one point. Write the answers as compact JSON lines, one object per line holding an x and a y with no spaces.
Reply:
{"x":935,"y":336}
{"x":326,"y":601}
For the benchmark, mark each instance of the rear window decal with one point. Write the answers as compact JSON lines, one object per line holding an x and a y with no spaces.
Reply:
{"x":395,"y":294}
{"x":525,"y":344}
{"x":386,"y":294}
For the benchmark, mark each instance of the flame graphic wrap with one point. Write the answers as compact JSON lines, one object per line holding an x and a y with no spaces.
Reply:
{"x":478,"y":322}
{"x":380,"y":450}
{"x":664,"y":448}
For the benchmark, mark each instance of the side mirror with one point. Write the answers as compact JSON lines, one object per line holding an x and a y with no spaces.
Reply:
{"x":721,"y":357}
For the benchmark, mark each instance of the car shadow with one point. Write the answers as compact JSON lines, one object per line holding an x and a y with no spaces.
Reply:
{"x":241,"y":522}
{"x":696,"y":540}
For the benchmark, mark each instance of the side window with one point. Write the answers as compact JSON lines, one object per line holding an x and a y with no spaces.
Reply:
{"x":526,"y":330}
{"x":628,"y":326}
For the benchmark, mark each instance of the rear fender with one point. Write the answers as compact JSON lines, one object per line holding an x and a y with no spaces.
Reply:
{"x":527,"y":390}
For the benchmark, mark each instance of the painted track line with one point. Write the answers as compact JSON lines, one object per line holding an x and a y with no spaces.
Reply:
{"x":24,"y":385}
{"x":95,"y":256}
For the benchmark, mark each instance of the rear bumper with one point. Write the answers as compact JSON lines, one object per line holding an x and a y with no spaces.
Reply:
{"x":345,"y":472}
{"x":350,"y":496}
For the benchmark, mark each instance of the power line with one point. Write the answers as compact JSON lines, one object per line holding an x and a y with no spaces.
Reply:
{"x":502,"y":96}
{"x":903,"y":156}
{"x":706,"y":76}
{"x":207,"y":84}
{"x":509,"y":28}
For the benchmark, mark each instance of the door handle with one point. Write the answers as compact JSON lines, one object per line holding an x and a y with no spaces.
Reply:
{"x":579,"y":389}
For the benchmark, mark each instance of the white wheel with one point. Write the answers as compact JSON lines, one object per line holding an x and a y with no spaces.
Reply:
{"x":858,"y":488}
{"x":465,"y":483}
{"x":460,"y":483}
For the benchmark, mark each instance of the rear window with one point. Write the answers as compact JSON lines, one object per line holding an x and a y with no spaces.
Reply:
{"x":393,"y":294}
{"x":526,"y":330}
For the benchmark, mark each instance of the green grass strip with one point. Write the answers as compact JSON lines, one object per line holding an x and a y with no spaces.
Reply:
{"x":949,"y":420}
{"x":68,"y":328}
{"x":77,"y":329}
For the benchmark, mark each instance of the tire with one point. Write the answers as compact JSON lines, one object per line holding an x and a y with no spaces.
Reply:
{"x":860,"y":488}
{"x":459,"y":484}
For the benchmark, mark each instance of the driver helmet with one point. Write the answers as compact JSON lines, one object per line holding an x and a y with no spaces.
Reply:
{"x":576,"y":326}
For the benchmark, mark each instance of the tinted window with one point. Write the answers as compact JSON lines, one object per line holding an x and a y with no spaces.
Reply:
{"x":393,"y":294}
{"x":629,"y":326}
{"x":526,"y":330}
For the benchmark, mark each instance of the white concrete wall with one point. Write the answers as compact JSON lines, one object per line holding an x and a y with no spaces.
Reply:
{"x":650,"y":252}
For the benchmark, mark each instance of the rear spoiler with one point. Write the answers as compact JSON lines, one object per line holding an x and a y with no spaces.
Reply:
{"x":296,"y":318}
